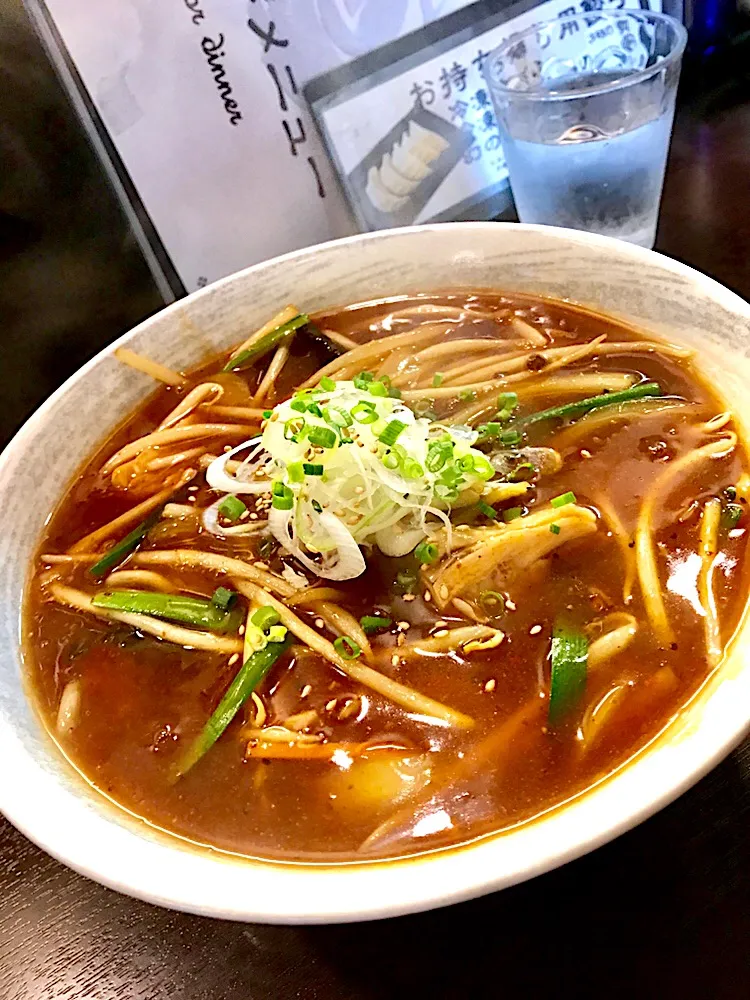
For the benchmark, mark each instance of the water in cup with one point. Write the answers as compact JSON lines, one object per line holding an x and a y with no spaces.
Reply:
{"x":603,"y":182}
{"x":585,"y":112}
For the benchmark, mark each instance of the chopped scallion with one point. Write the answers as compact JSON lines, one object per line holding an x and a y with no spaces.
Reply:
{"x":265,"y":617}
{"x":364,"y":412}
{"x":437,"y":380}
{"x":506,"y":404}
{"x":327,"y":383}
{"x":347,"y":648}
{"x":510,"y":437}
{"x":512,"y":514}
{"x":296,"y":472}
{"x":372,"y":623}
{"x":555,"y":529}
{"x":232,"y":508}
{"x":563,"y":499}
{"x":427,"y":552}
{"x":321,"y":437}
{"x":223,"y":598}
{"x":392,"y":431}
{"x":312,"y":469}
{"x":337,"y":417}
{"x":484,"y":508}
{"x":730,"y":515}
{"x":405,"y":580}
{"x":492,"y":601}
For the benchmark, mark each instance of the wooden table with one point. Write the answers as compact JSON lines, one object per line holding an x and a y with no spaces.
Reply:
{"x":662,"y":912}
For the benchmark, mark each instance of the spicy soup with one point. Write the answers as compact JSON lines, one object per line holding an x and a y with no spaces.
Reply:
{"x":390,"y":578}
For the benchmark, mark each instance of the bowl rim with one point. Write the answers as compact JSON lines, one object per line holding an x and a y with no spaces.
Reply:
{"x":229,"y":887}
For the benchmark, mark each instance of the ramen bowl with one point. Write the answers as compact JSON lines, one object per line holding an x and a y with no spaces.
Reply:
{"x":49,"y":801}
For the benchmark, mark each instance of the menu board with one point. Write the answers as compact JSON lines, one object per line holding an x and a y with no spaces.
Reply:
{"x":236,"y":130}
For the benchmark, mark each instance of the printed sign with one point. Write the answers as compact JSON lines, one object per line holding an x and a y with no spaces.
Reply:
{"x":200,"y":111}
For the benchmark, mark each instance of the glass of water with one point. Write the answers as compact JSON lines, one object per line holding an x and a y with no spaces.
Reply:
{"x":585,"y":106}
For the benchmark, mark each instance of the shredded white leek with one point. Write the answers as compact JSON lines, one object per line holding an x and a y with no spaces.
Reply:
{"x":350,"y":465}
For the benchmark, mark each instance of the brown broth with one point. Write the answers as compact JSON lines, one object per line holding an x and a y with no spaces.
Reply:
{"x":143,"y":700}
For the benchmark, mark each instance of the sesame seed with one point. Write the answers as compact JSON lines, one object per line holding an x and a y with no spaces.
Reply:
{"x":305,"y":690}
{"x":400,"y":639}
{"x":440,"y":633}
{"x":535,"y":630}
{"x":330,"y":705}
{"x":440,"y":624}
{"x":319,"y":623}
{"x":444,"y":593}
{"x":490,"y":685}
{"x":261,"y":565}
{"x":394,"y":660}
{"x":402,"y":626}
{"x":585,"y":453}
{"x":510,"y":606}
{"x":233,"y":659}
{"x":409,"y":597}
{"x":253,"y":516}
{"x":427,"y":596}
{"x":241,"y":630}
{"x":192,"y":489}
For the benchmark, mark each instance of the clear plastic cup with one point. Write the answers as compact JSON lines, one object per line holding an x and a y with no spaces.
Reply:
{"x":585,"y":106}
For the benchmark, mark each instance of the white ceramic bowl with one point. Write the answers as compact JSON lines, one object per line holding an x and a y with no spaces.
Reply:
{"x":42,"y":795}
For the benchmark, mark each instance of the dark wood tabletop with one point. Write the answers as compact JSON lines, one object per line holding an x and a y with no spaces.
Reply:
{"x":664,"y":911}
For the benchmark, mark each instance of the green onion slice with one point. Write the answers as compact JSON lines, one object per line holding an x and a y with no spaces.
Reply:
{"x":492,"y":601}
{"x":321,"y":437}
{"x":327,"y":383}
{"x":569,"y":662}
{"x":506,"y":404}
{"x":347,"y":647}
{"x":232,"y":508}
{"x":373,"y":623}
{"x":428,"y":552}
{"x":563,"y":499}
{"x":312,"y":469}
{"x":730,"y":516}
{"x":265,"y":617}
{"x":555,"y":529}
{"x":512,"y":514}
{"x":392,"y":431}
{"x":337,"y":417}
{"x":223,"y":598}
{"x":364,"y":412}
